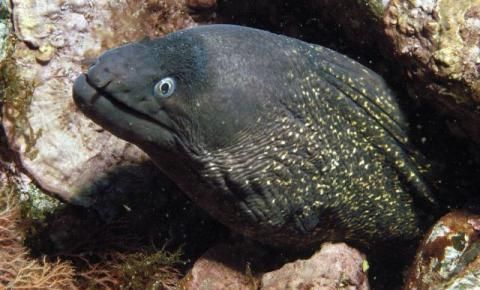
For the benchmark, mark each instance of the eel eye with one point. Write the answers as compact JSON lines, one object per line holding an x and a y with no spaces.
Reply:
{"x":164,"y":88}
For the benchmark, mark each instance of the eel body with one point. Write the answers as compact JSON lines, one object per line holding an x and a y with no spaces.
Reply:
{"x":286,"y":142}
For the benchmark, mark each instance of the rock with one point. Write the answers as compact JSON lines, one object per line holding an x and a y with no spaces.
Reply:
{"x":449,"y":256}
{"x":4,"y":28}
{"x":437,"y":42}
{"x":202,"y":10}
{"x":335,"y":266}
{"x":223,"y":267}
{"x":58,"y":147}
{"x":202,"y":4}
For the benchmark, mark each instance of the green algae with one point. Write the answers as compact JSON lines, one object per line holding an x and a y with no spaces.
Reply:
{"x":16,"y":97}
{"x":375,"y":7}
{"x":151,"y":270}
{"x":36,"y":204}
{"x":15,"y":92}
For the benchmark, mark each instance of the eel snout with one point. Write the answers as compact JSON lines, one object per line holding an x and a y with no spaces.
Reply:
{"x":84,"y":94}
{"x":92,"y":84}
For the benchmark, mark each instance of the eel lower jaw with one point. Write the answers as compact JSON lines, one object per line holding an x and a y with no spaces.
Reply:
{"x":87,"y":95}
{"x":118,"y":118}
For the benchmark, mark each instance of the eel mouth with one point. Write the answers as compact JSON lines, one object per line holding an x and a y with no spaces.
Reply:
{"x":86,"y":96}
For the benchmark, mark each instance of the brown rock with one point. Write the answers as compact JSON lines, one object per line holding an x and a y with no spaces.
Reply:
{"x":438,"y":43}
{"x":335,"y":266}
{"x":201,"y":4}
{"x":449,"y":256}
{"x":222,"y":267}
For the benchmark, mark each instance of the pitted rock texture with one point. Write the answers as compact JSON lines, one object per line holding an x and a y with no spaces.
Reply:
{"x":224,"y":266}
{"x":437,"y":42}
{"x":335,"y":266}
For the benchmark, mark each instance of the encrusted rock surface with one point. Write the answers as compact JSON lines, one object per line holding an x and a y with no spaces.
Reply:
{"x":58,"y":147}
{"x":438,"y":43}
{"x":449,"y":256}
{"x":335,"y":266}
{"x":4,"y":27}
{"x":223,"y":267}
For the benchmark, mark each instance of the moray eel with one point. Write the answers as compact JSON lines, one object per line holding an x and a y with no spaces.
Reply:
{"x":283,"y":141}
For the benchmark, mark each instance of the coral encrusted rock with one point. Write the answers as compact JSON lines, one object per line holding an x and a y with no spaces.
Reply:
{"x":54,"y":42}
{"x":438,"y":44}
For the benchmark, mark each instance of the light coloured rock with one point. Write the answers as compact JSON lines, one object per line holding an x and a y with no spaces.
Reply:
{"x":4,"y":27}
{"x":58,"y":147}
{"x":334,"y":267}
{"x":438,"y":44}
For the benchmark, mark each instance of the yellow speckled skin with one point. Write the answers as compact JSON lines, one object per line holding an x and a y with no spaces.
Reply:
{"x":286,"y":142}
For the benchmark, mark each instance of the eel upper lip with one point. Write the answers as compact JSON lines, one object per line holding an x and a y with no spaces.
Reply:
{"x":101,"y":92}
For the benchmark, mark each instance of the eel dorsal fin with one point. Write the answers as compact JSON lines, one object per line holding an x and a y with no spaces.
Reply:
{"x":365,"y":96}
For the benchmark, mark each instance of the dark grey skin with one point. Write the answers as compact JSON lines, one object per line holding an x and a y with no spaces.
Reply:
{"x":286,"y":142}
